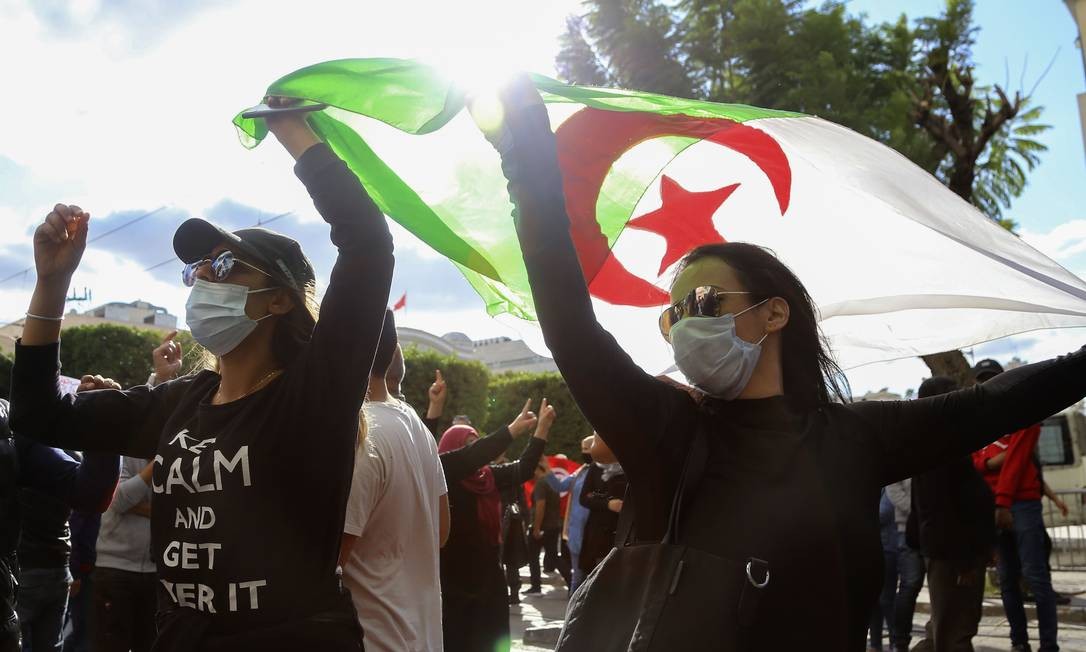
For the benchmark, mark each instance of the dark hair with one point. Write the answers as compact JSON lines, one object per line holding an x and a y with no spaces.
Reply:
{"x":811,"y":377}
{"x":386,"y":346}
{"x":936,"y":386}
{"x":294,"y":329}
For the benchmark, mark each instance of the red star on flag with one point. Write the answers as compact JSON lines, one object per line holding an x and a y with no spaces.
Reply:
{"x":684,"y":219}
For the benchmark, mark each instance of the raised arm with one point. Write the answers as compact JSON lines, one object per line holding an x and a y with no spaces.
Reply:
{"x":522,"y":470}
{"x":461,"y":463}
{"x":437,"y":394}
{"x":506,"y":475}
{"x":614,"y":394}
{"x":340,"y":353}
{"x":563,"y":485}
{"x":914,"y":436}
{"x":127,"y":422}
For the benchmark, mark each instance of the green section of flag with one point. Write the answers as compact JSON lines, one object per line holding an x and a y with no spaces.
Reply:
{"x":472,"y":225}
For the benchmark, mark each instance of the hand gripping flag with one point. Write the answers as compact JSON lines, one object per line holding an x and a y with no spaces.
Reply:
{"x":898,"y":265}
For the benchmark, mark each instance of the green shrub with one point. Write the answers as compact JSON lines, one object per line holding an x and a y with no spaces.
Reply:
{"x":467,"y":382}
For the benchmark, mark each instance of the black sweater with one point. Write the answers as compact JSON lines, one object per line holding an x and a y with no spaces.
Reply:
{"x":800,"y":490}
{"x":249,"y":496}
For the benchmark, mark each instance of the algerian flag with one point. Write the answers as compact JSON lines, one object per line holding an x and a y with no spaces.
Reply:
{"x":898,"y":265}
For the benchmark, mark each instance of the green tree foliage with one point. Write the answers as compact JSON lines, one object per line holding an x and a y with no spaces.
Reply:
{"x":910,"y":87}
{"x":508,"y":393}
{"x":122,"y":353}
{"x":118,"y":352}
{"x":467,"y":381}
{"x":983,"y":138}
{"x":492,"y":401}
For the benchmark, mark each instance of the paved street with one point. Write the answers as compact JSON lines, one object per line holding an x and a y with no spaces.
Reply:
{"x":541,"y":617}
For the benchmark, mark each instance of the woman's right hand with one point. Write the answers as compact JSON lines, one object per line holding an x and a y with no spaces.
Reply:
{"x":524,"y":422}
{"x":292,"y":129}
{"x":547,"y":415}
{"x":166,"y":359}
{"x":59,"y":243}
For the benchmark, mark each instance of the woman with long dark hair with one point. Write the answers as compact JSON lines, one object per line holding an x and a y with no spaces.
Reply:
{"x":252,"y":460}
{"x":791,"y":481}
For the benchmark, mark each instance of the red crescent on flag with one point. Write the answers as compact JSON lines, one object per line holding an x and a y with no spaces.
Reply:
{"x":591,"y":140}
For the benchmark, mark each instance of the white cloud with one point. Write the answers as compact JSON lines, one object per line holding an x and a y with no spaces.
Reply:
{"x":1062,"y":243}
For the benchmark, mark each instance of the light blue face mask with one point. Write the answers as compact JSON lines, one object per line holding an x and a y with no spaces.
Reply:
{"x":215,"y":313}
{"x":712,"y":356}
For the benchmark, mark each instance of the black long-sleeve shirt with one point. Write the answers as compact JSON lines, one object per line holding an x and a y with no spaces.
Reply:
{"x":249,"y":496}
{"x":800,"y":490}
{"x":468,"y":559}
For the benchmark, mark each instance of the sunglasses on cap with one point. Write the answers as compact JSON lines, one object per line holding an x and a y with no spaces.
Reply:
{"x":221,"y":266}
{"x":702,"y":301}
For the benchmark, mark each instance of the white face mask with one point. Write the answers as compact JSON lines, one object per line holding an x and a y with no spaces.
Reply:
{"x":215,"y":313}
{"x":712,"y":356}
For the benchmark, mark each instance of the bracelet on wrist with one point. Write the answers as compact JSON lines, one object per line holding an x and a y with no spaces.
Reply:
{"x":44,"y":318}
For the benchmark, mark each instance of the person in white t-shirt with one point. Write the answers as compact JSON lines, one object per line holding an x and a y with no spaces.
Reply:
{"x":397,"y":519}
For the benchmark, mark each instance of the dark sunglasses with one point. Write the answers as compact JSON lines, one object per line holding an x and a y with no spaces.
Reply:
{"x":221,"y":266}
{"x":702,"y":301}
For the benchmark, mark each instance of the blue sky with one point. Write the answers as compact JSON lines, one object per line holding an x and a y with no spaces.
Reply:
{"x":1017,"y":40}
{"x":125,"y":108}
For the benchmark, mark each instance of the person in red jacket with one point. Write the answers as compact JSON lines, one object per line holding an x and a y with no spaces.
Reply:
{"x":1018,"y":515}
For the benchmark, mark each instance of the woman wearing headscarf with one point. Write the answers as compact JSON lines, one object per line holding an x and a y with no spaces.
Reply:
{"x":474,"y":607}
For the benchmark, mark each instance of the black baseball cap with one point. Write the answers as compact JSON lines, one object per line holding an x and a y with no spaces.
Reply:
{"x":986,"y":369}
{"x":281,"y":257}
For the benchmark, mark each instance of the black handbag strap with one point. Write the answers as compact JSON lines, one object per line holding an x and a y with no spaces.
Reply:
{"x":689,"y":478}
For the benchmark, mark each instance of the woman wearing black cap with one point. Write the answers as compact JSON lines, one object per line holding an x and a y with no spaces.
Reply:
{"x":253,"y":460}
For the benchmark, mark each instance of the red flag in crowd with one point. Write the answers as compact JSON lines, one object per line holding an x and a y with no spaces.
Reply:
{"x":402,"y":303}
{"x":561,"y":467}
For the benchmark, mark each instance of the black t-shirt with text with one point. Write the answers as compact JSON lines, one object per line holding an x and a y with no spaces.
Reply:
{"x":249,"y":496}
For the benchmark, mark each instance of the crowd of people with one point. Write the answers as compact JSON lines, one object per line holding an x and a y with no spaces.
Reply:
{"x":953,"y":523}
{"x":286,"y":497}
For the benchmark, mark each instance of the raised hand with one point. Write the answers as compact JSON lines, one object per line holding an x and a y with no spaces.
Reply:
{"x":516,"y":96}
{"x":166,"y":359}
{"x":292,"y":129}
{"x":438,"y":391}
{"x":524,"y":422}
{"x":59,"y":242}
{"x":547,"y":415}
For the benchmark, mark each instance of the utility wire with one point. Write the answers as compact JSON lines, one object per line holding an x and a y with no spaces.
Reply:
{"x":139,"y":218}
